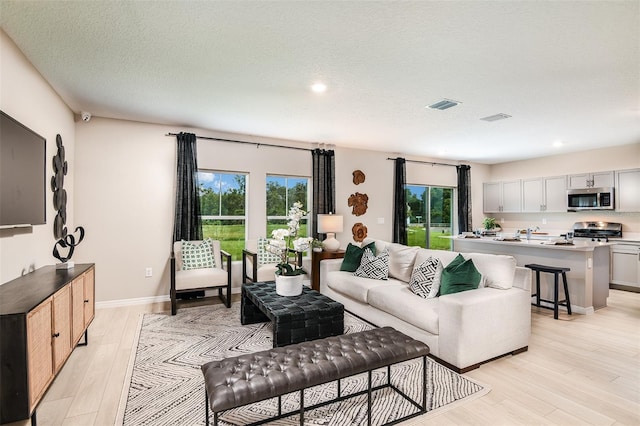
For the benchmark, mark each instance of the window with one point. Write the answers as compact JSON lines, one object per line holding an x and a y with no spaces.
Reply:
{"x":282,"y":192}
{"x":429,"y":216}
{"x":223,"y":209}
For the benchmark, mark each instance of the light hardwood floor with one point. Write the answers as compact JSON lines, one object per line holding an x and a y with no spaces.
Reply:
{"x":579,"y":370}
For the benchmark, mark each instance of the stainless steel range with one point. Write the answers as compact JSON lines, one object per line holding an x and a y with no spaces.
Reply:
{"x":597,"y":231}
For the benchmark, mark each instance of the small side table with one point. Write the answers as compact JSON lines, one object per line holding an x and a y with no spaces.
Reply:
{"x":316,"y":257}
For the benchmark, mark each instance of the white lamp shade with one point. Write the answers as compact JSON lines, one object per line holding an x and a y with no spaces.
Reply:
{"x":329,"y":223}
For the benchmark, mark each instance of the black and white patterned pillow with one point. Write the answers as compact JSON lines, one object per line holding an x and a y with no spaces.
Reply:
{"x":423,"y":276}
{"x":375,"y":267}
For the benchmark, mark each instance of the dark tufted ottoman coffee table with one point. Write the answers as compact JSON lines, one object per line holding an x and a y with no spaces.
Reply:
{"x":295,"y":319}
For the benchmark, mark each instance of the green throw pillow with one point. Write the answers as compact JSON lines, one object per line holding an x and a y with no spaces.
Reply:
{"x":353,"y":255}
{"x":459,"y":275}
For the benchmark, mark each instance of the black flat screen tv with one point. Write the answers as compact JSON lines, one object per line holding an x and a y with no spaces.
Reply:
{"x":22,"y":175}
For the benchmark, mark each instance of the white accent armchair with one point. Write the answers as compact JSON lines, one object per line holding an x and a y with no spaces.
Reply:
{"x":201,"y":278}
{"x":258,"y":264}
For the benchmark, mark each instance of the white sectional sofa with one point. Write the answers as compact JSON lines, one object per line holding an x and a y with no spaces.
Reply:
{"x":463,"y":329}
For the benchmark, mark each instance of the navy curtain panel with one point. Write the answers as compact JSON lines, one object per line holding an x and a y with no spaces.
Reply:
{"x":324,"y":183}
{"x":187,"y":224}
{"x":464,"y":198}
{"x":399,"y":202}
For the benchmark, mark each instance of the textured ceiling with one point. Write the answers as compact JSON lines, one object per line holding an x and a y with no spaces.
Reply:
{"x":565,"y":71}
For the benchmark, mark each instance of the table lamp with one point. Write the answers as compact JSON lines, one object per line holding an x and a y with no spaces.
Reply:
{"x":330,"y":224}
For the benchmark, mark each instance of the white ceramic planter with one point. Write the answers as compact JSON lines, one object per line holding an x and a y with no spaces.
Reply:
{"x":289,"y":285}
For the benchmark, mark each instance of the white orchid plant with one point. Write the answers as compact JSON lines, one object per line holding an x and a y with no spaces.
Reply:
{"x":284,"y":243}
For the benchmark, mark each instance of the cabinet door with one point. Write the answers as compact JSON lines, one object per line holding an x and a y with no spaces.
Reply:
{"x":602,"y":179}
{"x":511,"y":196}
{"x":61,"y":327}
{"x":492,"y":199}
{"x":579,"y":181}
{"x":39,"y":326}
{"x":555,"y":194}
{"x":532,"y":200}
{"x":77,"y":317}
{"x":625,"y":266}
{"x":628,"y":191}
{"x":89,"y":297}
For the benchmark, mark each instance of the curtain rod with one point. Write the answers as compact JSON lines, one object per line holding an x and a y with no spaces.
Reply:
{"x":257,"y":144}
{"x":427,"y":162}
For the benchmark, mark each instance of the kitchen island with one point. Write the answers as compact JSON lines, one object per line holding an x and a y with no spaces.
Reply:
{"x":588,"y":279}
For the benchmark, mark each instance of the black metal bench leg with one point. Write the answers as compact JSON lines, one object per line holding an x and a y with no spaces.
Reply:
{"x":302,"y":407}
{"x":555,"y":296}
{"x":424,"y":383}
{"x":206,"y":407}
{"x":369,"y":398}
{"x":566,"y":292}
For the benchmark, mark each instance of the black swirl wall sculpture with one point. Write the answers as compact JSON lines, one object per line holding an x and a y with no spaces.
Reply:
{"x":65,"y":240}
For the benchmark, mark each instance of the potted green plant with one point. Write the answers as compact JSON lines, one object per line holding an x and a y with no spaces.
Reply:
{"x":316,"y":245}
{"x":489,"y":224}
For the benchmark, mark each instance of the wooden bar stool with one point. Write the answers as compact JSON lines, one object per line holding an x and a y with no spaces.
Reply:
{"x":555,"y":270}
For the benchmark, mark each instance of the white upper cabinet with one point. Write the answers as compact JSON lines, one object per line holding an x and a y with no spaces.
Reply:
{"x":544,"y":194}
{"x":627,"y":194}
{"x":503,"y":197}
{"x":555,"y":194}
{"x":590,"y":180}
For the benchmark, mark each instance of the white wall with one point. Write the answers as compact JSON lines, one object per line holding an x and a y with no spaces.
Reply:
{"x":28,"y":98}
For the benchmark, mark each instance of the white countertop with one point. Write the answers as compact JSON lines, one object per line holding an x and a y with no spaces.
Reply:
{"x":578,"y":245}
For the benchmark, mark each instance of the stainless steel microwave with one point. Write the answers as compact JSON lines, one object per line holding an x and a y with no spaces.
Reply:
{"x":590,"y":199}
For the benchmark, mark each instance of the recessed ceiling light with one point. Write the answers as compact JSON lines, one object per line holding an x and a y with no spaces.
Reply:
{"x":444,"y":104}
{"x":496,"y":117}
{"x":319,"y":87}
{"x":557,"y":144}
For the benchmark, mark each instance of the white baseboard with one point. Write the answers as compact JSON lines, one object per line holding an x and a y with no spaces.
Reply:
{"x":141,"y":300}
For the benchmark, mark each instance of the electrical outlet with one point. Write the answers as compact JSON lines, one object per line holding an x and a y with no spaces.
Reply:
{"x":544,"y":220}
{"x":148,"y":272}
{"x":502,"y":220}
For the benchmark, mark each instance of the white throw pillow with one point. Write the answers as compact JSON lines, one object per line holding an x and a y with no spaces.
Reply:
{"x":401,"y":261}
{"x":374,"y":267}
{"x":423,"y":276}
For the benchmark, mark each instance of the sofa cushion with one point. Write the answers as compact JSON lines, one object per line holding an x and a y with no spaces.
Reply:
{"x":498,"y":271}
{"x":423,"y":276}
{"x":353,"y":256}
{"x":372,"y":266}
{"x":380,"y":245}
{"x":356,"y":288}
{"x":401,"y":303}
{"x":401,"y":261}
{"x":459,"y":275}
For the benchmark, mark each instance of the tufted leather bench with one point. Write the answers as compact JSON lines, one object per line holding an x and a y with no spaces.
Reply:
{"x":245,"y":379}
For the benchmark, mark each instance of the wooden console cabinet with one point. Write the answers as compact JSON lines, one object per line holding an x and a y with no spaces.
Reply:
{"x":43,"y":315}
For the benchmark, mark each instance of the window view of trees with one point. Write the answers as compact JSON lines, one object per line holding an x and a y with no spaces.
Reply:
{"x":222,"y":208}
{"x":282,"y":192}
{"x":429,"y":214}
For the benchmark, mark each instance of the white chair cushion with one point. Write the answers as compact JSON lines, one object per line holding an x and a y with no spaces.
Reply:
{"x":400,"y":302}
{"x":266,"y":273}
{"x":200,"y":278}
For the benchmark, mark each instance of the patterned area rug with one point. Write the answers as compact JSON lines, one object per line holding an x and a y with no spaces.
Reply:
{"x":165,"y":385}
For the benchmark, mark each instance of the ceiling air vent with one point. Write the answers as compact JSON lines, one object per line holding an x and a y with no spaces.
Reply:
{"x":444,"y":104}
{"x":496,"y":117}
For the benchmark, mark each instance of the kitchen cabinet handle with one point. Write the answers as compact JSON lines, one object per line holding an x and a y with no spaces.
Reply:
{"x":56,"y":335}
{"x":86,"y":300}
